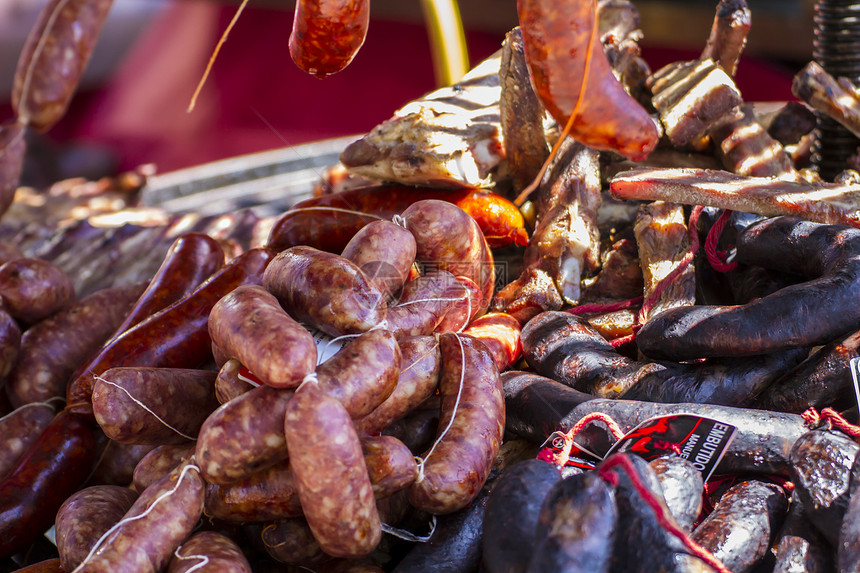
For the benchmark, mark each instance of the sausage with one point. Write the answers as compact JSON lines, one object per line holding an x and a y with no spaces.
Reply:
{"x":740,"y":530}
{"x":228,"y":385}
{"x":190,"y":260}
{"x":512,"y":512}
{"x":390,"y":464}
{"x":470,"y":428}
{"x":330,"y":221}
{"x":155,"y":406}
{"x":799,"y":546}
{"x":52,"y":349}
{"x":10,"y":343}
{"x":562,"y":46}
{"x":291,"y":541}
{"x":20,"y":428}
{"x":335,"y":490}
{"x":46,"y":566}
{"x":52,"y":468}
{"x":33,"y":289}
{"x":385,"y":252}
{"x":265,"y":495}
{"x":424,"y":303}
{"x":54,"y":58}
{"x":157,"y":523}
{"x":324,"y":290}
{"x":85,"y":516}
{"x":175,"y":337}
{"x":248,"y":324}
{"x":419,"y":376}
{"x":500,"y":333}
{"x":682,"y":488}
{"x":243,"y":436}
{"x":157,"y":463}
{"x":466,"y":306}
{"x":847,"y":558}
{"x":418,"y":428}
{"x":13,"y":146}
{"x":209,"y":551}
{"x":449,"y":239}
{"x":327,"y":34}
{"x":117,"y":462}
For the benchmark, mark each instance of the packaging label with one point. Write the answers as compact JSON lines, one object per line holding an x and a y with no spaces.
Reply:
{"x":579,"y":457}
{"x":327,"y":346}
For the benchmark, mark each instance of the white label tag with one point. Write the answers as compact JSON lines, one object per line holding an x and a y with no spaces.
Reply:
{"x":326,"y":345}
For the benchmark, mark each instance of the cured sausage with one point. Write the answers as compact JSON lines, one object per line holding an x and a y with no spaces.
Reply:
{"x":425,"y":302}
{"x":159,"y":462}
{"x":291,"y":541}
{"x":154,"y":406}
{"x":52,"y":468}
{"x":327,"y":34}
{"x":52,"y":349}
{"x":470,"y":429}
{"x":85,"y":516}
{"x":263,"y":496}
{"x":175,"y":337}
{"x":20,"y":428}
{"x":228,"y":385}
{"x":209,"y":551}
{"x":385,"y":252}
{"x":33,"y":289}
{"x":117,"y":462}
{"x":390,"y":464}
{"x":324,"y":290}
{"x":501,"y":334}
{"x":248,"y":324}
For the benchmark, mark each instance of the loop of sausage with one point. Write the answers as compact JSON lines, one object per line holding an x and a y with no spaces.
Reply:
{"x":327,"y":34}
{"x":501,"y":334}
{"x":249,"y":324}
{"x":470,"y":429}
{"x":425,"y":303}
{"x":385,"y":252}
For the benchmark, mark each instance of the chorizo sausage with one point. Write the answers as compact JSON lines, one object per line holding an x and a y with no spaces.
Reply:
{"x":85,"y":516}
{"x":390,"y":464}
{"x":154,"y":406}
{"x":157,"y":463}
{"x":470,"y":429}
{"x":117,"y":462}
{"x":335,"y":490}
{"x":209,"y":551}
{"x":265,"y":495}
{"x":20,"y":428}
{"x":33,"y":289}
{"x":10,"y":343}
{"x":327,"y":34}
{"x":249,"y":324}
{"x":291,"y":541}
{"x":52,"y":468}
{"x":500,"y":333}
{"x":385,"y":252}
{"x":324,"y":290}
{"x":228,"y":384}
{"x":52,"y":349}
{"x":424,"y":303}
{"x":175,"y":337}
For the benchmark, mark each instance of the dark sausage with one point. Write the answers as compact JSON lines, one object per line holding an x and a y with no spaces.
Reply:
{"x":117,"y":462}
{"x":33,"y":289}
{"x":327,"y":34}
{"x":20,"y":428}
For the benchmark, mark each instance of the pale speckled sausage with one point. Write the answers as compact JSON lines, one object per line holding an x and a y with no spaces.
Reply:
{"x":54,"y":57}
{"x":85,"y":516}
{"x":385,"y":252}
{"x":470,"y":433}
{"x":209,"y":552}
{"x":243,"y":436}
{"x":156,"y":464}
{"x":449,"y":239}
{"x":34,"y":289}
{"x":291,"y":541}
{"x":153,"y":405}
{"x":500,"y":333}
{"x":266,"y":495}
{"x":117,"y":462}
{"x":10,"y":342}
{"x":334,"y":488}
{"x":20,"y":428}
{"x":159,"y":521}
{"x":325,"y":290}
{"x":249,"y":324}
{"x":228,"y":385}
{"x":421,"y":365}
{"x":52,"y":349}
{"x":390,"y":464}
{"x":424,"y":304}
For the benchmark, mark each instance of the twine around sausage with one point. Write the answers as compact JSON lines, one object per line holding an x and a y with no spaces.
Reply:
{"x":408,"y":535}
{"x":204,"y":560}
{"x":145,"y":408}
{"x":45,"y":404}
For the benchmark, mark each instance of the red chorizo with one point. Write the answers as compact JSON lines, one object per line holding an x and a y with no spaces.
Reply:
{"x":175,"y":337}
{"x":424,"y":304}
{"x":52,"y":349}
{"x":325,"y":290}
{"x":20,"y":428}
{"x":155,"y":406}
{"x":209,"y":552}
{"x":385,"y":252}
{"x":448,"y":239}
{"x":85,"y":516}
{"x":470,"y":429}
{"x":34,"y":289}
{"x":334,"y":487}
{"x":117,"y":462}
{"x":248,"y":324}
{"x":467,"y":301}
{"x":263,"y":496}
{"x":390,"y":464}
{"x":54,"y":57}
{"x":500,"y":333}
{"x":156,"y":464}
{"x":327,"y":34}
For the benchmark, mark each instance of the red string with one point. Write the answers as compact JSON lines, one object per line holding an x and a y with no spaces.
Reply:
{"x":624,"y":463}
{"x":831,"y":416}
{"x":716,"y":258}
{"x":601,"y":308}
{"x":561,"y":457}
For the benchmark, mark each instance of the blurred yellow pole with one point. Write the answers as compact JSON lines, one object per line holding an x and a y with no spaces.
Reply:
{"x":447,"y":40}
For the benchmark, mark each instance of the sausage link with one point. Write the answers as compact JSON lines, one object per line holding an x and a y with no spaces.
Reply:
{"x":10,"y":344}
{"x":228,"y":385}
{"x":34,"y":289}
{"x":449,"y":239}
{"x":424,"y":304}
{"x":467,"y":301}
{"x":13,"y":146}
{"x":158,"y":522}
{"x":421,"y":364}
{"x":291,"y":541}
{"x":470,"y":429}
{"x":324,"y":290}
{"x":500,"y":333}
{"x":20,"y":428}
{"x":155,"y":406}
{"x":209,"y":552}
{"x":46,"y":566}
{"x":264,"y":496}
{"x":390,"y":464}
{"x":53,"y":468}
{"x":249,"y":324}
{"x":175,"y":337}
{"x":334,"y":488}
{"x":52,"y":349}
{"x":117,"y":462}
{"x":54,"y":58}
{"x":159,"y":462}
{"x":327,"y":34}
{"x":385,"y":252}
{"x":85,"y":516}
